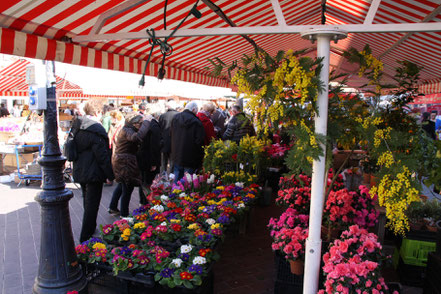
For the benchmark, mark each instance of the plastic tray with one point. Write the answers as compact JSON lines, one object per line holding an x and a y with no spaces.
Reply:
{"x":415,"y":252}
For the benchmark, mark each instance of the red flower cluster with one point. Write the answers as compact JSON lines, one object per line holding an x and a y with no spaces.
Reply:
{"x":186,"y":276}
{"x":176,"y":227}
{"x":339,"y":206}
{"x":203,"y":252}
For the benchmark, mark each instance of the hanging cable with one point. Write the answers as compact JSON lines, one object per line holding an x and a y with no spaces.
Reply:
{"x":323,"y":12}
{"x":166,"y":49}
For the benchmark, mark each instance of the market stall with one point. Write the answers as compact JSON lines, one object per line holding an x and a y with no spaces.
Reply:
{"x":18,"y":132}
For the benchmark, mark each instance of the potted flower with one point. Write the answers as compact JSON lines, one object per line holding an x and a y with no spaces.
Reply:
{"x":338,"y":213}
{"x":289,"y":234}
{"x":353,"y":264}
{"x":365,"y":213}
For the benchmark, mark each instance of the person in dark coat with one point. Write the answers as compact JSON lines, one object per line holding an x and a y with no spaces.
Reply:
{"x":3,"y":110}
{"x":218,"y":117}
{"x":428,"y":126}
{"x":125,"y":163}
{"x":187,"y":137}
{"x":238,"y":126}
{"x":204,"y":116}
{"x":92,"y":167}
{"x":165,"y":121}
{"x":149,"y":155}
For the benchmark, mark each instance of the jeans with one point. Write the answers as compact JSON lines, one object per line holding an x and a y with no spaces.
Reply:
{"x":179,"y":172}
{"x":123,"y":191}
{"x":91,"y":203}
{"x":166,"y":163}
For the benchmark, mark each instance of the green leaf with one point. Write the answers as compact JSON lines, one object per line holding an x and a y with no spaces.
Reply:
{"x":188,"y":284}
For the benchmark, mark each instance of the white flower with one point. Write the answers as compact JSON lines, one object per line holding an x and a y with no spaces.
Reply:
{"x":158,"y":208}
{"x":177,"y":262}
{"x":171,"y":176}
{"x":241,"y":166}
{"x":241,"y":205}
{"x":239,"y":184}
{"x":195,"y":177}
{"x":199,"y":260}
{"x":164,"y":198}
{"x":210,"y":221}
{"x":188,"y":177}
{"x":186,"y":248}
{"x":182,"y":195}
{"x":164,"y":224}
{"x":128,"y":219}
{"x":210,"y":180}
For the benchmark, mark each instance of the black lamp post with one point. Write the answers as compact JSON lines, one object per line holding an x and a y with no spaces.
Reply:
{"x":58,"y":270}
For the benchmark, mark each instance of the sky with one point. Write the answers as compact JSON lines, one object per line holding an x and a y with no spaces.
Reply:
{"x":107,"y":82}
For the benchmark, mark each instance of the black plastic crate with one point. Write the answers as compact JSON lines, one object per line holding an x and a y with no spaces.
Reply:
{"x":286,"y":288}
{"x":283,"y":272}
{"x":411,"y":275}
{"x":433,"y":271}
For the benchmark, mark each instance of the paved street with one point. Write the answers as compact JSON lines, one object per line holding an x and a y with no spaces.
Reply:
{"x":20,"y":232}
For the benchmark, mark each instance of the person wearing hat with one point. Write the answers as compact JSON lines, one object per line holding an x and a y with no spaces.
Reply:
{"x":124,"y":161}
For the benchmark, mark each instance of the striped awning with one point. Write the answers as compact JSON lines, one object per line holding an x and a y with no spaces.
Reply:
{"x":13,"y":81}
{"x":51,"y":30}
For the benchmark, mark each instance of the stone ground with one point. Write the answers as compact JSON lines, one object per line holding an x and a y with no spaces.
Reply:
{"x":246,"y":264}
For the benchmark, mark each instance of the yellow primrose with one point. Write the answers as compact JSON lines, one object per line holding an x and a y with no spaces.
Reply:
{"x":193,"y":226}
{"x":201,"y":208}
{"x":216,"y":226}
{"x":220,"y":188}
{"x":175,"y":221}
{"x":139,"y":226}
{"x":99,"y":246}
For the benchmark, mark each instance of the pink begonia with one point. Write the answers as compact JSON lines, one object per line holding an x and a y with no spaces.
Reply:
{"x":352,"y":263}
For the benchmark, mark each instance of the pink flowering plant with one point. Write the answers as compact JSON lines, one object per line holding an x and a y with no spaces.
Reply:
{"x":276,"y":153}
{"x":289,"y":234}
{"x":295,"y":190}
{"x":352,"y":264}
{"x":365,"y":214}
{"x":339,"y":208}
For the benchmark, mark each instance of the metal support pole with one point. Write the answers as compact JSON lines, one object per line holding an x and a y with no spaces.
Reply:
{"x":58,"y":268}
{"x":314,"y":242}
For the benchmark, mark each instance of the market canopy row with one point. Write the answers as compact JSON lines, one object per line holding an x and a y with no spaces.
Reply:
{"x":73,"y":32}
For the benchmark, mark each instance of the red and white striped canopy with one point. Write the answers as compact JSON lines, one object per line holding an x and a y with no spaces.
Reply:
{"x":45,"y":29}
{"x":13,"y":82}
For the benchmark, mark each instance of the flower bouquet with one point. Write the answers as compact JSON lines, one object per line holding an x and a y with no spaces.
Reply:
{"x":352,"y":264}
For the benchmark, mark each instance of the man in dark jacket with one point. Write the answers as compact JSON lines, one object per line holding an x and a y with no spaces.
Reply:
{"x":93,"y":165}
{"x":165,"y":121}
{"x":187,"y":137}
{"x":428,"y":126}
{"x":238,"y":126}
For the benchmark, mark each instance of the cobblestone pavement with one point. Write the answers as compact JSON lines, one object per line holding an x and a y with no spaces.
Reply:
{"x":246,"y":264}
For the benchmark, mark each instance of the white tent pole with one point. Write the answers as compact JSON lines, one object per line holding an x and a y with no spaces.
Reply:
{"x":314,"y":242}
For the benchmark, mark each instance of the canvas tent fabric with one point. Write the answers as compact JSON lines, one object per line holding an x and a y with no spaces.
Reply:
{"x":47,"y":30}
{"x":13,"y":81}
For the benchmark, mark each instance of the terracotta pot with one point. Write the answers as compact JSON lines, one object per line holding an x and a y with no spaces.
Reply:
{"x":296,"y":267}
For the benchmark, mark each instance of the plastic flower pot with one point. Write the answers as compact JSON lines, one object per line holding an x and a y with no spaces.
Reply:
{"x":296,"y":267}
